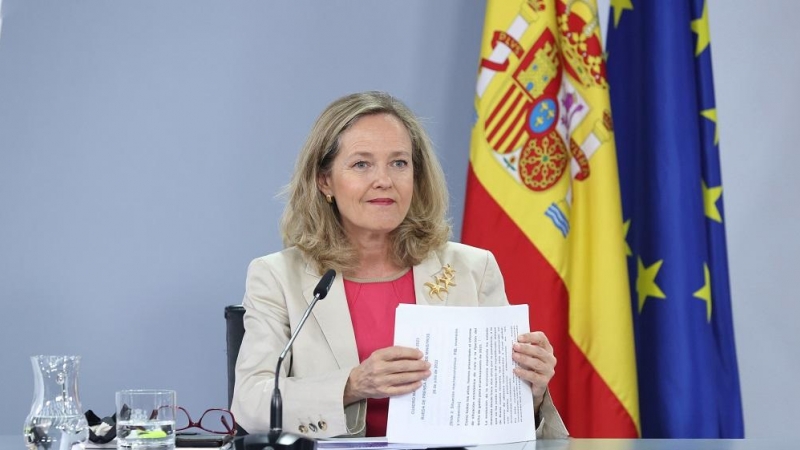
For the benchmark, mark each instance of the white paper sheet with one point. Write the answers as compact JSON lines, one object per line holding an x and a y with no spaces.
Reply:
{"x":362,"y":444}
{"x":472,"y":396}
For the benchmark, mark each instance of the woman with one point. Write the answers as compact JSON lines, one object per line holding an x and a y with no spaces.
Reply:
{"x":368,"y":199}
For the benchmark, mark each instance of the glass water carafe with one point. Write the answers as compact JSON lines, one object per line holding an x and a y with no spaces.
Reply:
{"x":56,"y":420}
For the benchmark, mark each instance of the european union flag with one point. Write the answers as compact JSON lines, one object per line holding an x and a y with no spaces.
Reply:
{"x":665,"y":120}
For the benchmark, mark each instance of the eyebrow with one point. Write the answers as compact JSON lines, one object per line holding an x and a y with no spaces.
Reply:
{"x":391,"y":155}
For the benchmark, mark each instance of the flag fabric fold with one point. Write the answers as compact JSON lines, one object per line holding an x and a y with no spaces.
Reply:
{"x":659,"y":70}
{"x":543,"y":195}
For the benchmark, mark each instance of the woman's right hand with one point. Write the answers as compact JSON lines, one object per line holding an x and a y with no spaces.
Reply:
{"x":387,"y":372}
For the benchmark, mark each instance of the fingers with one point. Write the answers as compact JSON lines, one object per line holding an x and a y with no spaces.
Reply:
{"x":536,"y":338}
{"x":397,"y":359}
{"x":396,"y":373}
{"x":397,"y":384}
{"x":535,"y":361}
{"x":387,"y":372}
{"x":534,"y":358}
{"x":397,"y":352}
{"x":533,"y":352}
{"x":401,"y":389}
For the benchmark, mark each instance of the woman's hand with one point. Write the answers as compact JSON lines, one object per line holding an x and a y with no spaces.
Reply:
{"x":537,"y":363}
{"x":387,"y":372}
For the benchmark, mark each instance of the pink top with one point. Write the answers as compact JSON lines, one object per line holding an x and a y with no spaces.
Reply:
{"x":372,"y":306}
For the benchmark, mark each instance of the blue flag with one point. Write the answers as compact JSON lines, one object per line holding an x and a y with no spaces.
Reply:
{"x":665,"y":121}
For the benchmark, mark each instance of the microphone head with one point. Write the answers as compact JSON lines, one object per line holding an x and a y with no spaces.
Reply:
{"x":324,"y":284}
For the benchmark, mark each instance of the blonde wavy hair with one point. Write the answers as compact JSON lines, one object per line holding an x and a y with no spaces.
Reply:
{"x":314,"y":226}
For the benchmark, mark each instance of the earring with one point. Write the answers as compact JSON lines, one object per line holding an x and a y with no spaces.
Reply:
{"x":329,"y":198}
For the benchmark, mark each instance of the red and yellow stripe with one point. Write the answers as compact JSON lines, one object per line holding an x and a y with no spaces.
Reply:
{"x":576,"y":283}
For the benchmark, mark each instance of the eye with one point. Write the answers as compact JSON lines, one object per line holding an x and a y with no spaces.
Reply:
{"x":360,"y":165}
{"x":400,"y":163}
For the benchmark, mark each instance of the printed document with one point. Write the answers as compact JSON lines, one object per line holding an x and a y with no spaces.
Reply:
{"x":472,"y":396}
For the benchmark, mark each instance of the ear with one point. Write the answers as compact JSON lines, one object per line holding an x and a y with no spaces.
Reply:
{"x":324,"y":184}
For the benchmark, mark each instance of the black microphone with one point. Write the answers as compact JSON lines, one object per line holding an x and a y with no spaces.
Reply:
{"x":278,"y":439}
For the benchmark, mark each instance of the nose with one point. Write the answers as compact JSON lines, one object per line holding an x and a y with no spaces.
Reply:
{"x":383,"y":179}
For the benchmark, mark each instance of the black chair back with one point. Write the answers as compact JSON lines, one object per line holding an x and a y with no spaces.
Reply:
{"x":234,"y":332}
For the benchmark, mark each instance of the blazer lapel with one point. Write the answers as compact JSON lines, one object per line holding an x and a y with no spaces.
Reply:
{"x":425,"y":281}
{"x":333,"y":316}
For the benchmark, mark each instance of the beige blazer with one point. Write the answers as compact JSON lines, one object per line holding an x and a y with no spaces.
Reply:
{"x":279,"y":289}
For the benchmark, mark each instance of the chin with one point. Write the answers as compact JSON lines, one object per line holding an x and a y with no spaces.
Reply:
{"x":382,"y":229}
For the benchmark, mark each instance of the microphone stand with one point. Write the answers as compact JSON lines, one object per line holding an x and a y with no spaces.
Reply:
{"x":277,"y":439}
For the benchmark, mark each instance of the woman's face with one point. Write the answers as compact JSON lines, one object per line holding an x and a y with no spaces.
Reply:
{"x":372,"y":176}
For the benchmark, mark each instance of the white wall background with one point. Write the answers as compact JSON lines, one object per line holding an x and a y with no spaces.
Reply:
{"x":755,"y":72}
{"x":142,"y":144}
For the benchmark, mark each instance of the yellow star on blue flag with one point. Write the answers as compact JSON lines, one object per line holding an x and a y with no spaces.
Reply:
{"x":667,"y":137}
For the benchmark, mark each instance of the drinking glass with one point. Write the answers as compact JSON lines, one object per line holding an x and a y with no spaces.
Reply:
{"x":146,"y":419}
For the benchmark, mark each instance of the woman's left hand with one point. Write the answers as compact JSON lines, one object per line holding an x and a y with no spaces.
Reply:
{"x":537,"y":363}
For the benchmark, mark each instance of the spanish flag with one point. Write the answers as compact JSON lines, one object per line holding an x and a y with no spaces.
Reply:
{"x":543,"y":195}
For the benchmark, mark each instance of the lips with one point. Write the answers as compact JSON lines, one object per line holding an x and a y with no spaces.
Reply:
{"x":381,"y":201}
